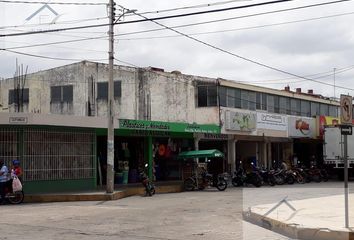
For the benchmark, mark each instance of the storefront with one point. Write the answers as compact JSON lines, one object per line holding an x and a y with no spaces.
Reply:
{"x":275,"y":146}
{"x":158,"y":144}
{"x":307,"y":147}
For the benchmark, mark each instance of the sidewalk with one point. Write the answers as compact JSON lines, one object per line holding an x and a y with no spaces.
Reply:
{"x":100,"y":195}
{"x":316,"y":218}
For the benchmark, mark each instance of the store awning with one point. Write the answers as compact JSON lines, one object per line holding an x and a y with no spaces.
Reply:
{"x":213,"y":153}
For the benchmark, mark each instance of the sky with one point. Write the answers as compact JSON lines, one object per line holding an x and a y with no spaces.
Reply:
{"x":314,"y":42}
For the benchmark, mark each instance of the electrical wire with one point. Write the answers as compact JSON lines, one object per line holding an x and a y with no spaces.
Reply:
{"x":194,"y":6}
{"x":52,"y":58}
{"x":55,"y":23}
{"x":239,"y":56}
{"x":182,"y":15}
{"x":53,"y":3}
{"x":232,"y":29}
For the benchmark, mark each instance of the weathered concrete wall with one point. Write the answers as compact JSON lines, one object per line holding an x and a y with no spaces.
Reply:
{"x":146,"y":94}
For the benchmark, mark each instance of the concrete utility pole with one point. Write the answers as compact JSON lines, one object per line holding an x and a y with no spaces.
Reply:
{"x":110,"y":102}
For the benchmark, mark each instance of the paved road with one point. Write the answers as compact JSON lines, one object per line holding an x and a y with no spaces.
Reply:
{"x":190,"y":215}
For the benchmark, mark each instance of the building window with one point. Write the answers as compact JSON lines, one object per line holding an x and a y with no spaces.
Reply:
{"x":222,"y":96}
{"x":315,"y":109}
{"x":231,"y":97}
{"x":102,"y":90}
{"x":305,"y":108}
{"x":252,"y":100}
{"x":284,"y":105}
{"x":324,"y":109}
{"x":276,"y":104}
{"x":244,"y":99}
{"x":15,"y":96}
{"x":333,"y":111}
{"x":61,"y":93}
{"x":270,"y":103}
{"x":295,"y":107}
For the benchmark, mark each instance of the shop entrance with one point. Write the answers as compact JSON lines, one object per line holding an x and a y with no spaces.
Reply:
{"x":308,"y":150}
{"x":246,"y":153}
{"x":128,"y":156}
{"x":216,"y":165}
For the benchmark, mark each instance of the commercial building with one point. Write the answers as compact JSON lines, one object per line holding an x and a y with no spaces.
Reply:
{"x":160,"y":114}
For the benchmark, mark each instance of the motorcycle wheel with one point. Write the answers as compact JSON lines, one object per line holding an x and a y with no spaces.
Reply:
{"x":16,"y":198}
{"x":152,"y":190}
{"x":236,"y":182}
{"x":189,"y":184}
{"x":279,"y":180}
{"x":300,"y":179}
{"x":317,"y":178}
{"x":221,"y":185}
{"x":271,"y":182}
{"x":290,"y":180}
{"x":257,"y":183}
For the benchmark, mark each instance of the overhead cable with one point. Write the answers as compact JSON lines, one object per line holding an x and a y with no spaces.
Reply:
{"x":173,"y":16}
{"x":239,"y":56}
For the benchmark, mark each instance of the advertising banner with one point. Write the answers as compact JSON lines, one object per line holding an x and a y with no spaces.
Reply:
{"x":302,"y":127}
{"x":167,"y":126}
{"x":240,"y":121}
{"x":272,"y":121}
{"x":326,"y":121}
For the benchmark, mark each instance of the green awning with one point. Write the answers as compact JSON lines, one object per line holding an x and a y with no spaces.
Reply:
{"x":213,"y":153}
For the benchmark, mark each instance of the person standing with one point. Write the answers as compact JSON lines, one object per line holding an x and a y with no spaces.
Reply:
{"x":4,"y":171}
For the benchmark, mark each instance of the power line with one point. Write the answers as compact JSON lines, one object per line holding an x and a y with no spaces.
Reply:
{"x":144,"y":20}
{"x":239,"y":56}
{"x":182,"y":15}
{"x":56,"y":23}
{"x":52,"y":3}
{"x":233,"y":29}
{"x":194,"y":6}
{"x":52,"y":58}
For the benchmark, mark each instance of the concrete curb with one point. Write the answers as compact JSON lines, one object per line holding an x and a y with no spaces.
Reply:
{"x":295,"y":231}
{"x":68,"y":197}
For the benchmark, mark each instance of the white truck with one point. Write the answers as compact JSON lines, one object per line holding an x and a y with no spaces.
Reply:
{"x":333,"y":150}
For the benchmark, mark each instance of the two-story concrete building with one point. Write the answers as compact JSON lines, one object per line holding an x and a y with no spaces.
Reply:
{"x":162,"y":113}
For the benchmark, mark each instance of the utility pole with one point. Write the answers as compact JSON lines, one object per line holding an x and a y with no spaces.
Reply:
{"x":334,"y":83}
{"x":110,"y":103}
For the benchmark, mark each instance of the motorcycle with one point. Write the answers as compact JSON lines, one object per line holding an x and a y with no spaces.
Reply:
{"x":191,"y":183}
{"x":241,"y":178}
{"x":267,"y":177}
{"x":149,"y":187}
{"x":13,"y":197}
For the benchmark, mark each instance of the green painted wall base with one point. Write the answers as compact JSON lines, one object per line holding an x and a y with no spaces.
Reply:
{"x":59,"y":186}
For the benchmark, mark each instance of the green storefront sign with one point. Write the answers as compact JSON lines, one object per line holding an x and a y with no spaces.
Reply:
{"x":167,"y":126}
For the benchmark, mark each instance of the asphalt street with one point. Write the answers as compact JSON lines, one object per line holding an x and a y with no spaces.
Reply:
{"x":208,"y":214}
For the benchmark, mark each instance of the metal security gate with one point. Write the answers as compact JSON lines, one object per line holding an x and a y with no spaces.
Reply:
{"x":9,"y":144}
{"x":58,"y":155}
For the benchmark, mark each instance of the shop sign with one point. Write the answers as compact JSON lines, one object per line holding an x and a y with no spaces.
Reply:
{"x":18,"y":120}
{"x":240,"y":121}
{"x":167,"y":126}
{"x":324,"y":121}
{"x":215,"y":136}
{"x":272,"y":121}
{"x":302,"y":127}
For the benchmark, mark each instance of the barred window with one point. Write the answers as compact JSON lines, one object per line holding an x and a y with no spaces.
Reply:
{"x":102,"y":90}
{"x":61,"y":93}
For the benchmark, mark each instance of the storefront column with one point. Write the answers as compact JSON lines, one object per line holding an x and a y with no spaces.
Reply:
{"x":196,"y":143}
{"x":264,"y":155}
{"x":269,"y":154}
{"x":231,"y":148}
{"x":149,"y":156}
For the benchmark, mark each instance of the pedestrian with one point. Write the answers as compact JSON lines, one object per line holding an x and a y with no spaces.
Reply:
{"x":16,"y":169}
{"x":3,"y":180}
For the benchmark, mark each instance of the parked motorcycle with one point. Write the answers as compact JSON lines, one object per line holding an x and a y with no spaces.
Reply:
{"x":220,"y":182}
{"x":267,"y":177}
{"x":241,"y":178}
{"x":148,"y":185}
{"x":13,"y":197}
